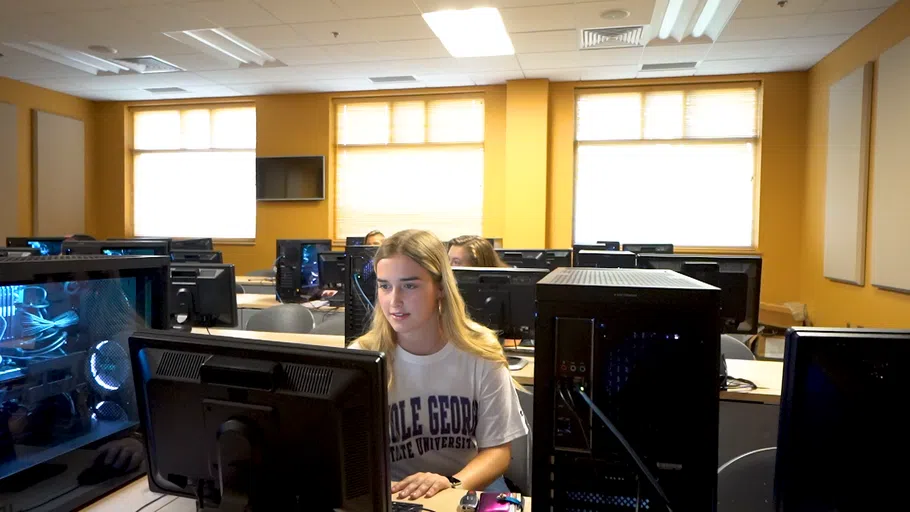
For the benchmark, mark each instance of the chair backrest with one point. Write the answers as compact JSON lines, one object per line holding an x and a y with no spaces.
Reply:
{"x":333,"y":324}
{"x":732,"y":348}
{"x":238,"y":288}
{"x":282,"y":318}
{"x":746,"y":483}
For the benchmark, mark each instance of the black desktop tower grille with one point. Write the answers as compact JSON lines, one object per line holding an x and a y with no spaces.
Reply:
{"x":644,"y":345}
{"x":360,"y":295}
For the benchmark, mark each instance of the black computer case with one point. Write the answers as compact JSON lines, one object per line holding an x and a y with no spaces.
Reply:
{"x":360,"y":295}
{"x":644,"y":344}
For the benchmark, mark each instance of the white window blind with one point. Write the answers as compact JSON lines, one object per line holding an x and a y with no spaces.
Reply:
{"x":410,"y":164}
{"x":194,"y":172}
{"x":667,"y":166}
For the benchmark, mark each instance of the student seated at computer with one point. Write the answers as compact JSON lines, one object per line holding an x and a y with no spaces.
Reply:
{"x":453,"y":405}
{"x":374,"y":237}
{"x":473,"y":251}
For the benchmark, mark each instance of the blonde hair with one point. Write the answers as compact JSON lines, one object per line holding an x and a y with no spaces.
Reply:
{"x":480,"y":249}
{"x":457,"y":327}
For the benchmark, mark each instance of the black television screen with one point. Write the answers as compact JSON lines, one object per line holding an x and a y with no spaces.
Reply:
{"x":292,"y":178}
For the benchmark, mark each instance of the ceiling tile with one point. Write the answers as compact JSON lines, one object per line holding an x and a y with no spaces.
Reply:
{"x":165,"y":17}
{"x":232,"y":13}
{"x":745,"y":49}
{"x":853,"y":5}
{"x":746,"y":29}
{"x":377,"y":8}
{"x":439,"y":5}
{"x":580,"y":59}
{"x":588,"y":14}
{"x":811,"y":45}
{"x":197,"y":62}
{"x":267,"y":88}
{"x":272,"y":36}
{"x":555,"y":75}
{"x":324,"y":32}
{"x":443,"y":80}
{"x":792,"y":63}
{"x":665,"y":73}
{"x":729,"y":67}
{"x":767,"y":8}
{"x":551,"y":41}
{"x":303,"y":11}
{"x":538,"y":19}
{"x":422,"y":49}
{"x":835,"y":23}
{"x":181,"y":79}
{"x":399,"y":28}
{"x":674,"y":53}
{"x":495,"y":77}
{"x":310,"y":55}
{"x":484,"y":64}
{"x":609,"y":72}
{"x":350,"y":84}
{"x":249,"y":76}
{"x":29,"y":67}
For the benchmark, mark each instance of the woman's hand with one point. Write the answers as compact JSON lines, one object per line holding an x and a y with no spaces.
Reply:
{"x":420,"y":485}
{"x":122,"y":454}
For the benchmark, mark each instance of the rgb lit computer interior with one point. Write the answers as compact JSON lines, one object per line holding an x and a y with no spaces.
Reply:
{"x":46,"y":246}
{"x":297,"y":261}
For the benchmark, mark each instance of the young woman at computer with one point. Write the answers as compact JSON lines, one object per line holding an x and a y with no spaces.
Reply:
{"x":453,"y":405}
{"x":473,"y":251}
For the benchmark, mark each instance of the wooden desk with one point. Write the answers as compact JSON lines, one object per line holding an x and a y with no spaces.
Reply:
{"x":767,"y":375}
{"x":137,"y":495}
{"x":321,"y":340}
{"x":255,"y":280}
{"x":256,"y":301}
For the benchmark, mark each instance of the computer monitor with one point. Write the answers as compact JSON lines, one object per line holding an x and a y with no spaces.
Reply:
{"x":605,"y":259}
{"x":202,"y":295}
{"x":46,"y":246}
{"x":550,"y":259}
{"x":360,"y":291}
{"x":159,"y":239}
{"x":648,"y":248}
{"x":576,"y":248}
{"x":18,"y":252}
{"x":258,"y":425}
{"x":354,"y":240}
{"x":298,"y":268}
{"x":842,"y":436}
{"x":502,"y":299}
{"x":116,"y":247}
{"x":192,"y":244}
{"x":185,"y":256}
{"x":737,"y":276}
{"x":332,"y":270}
{"x":609,"y":245}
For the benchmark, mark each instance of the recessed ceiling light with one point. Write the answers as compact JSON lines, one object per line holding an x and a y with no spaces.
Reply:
{"x":100,"y":48}
{"x":615,"y":14}
{"x":477,"y":32}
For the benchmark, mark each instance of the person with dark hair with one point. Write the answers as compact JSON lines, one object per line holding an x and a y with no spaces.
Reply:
{"x":79,"y":237}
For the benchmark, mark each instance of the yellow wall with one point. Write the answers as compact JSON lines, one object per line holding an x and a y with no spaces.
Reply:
{"x":27,"y":97}
{"x":527,"y":104}
{"x":830,"y":303}
{"x":782,"y":160}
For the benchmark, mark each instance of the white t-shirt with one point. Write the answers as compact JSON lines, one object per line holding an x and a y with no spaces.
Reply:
{"x":443,"y":406}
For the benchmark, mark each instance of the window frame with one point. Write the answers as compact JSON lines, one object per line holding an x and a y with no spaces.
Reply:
{"x":683,"y":87}
{"x":340,"y":101}
{"x":129,"y":185}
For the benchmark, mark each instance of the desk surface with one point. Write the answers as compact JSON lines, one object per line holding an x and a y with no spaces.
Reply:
{"x":255,"y":280}
{"x":256,"y":301}
{"x":323,"y":340}
{"x":767,"y":375}
{"x":137,"y":495}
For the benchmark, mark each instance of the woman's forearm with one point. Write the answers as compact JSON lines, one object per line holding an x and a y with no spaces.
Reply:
{"x":486,"y":467}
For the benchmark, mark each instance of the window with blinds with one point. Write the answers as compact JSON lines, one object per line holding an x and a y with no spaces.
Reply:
{"x":194,"y":172}
{"x":667,"y":165}
{"x":409,"y":164}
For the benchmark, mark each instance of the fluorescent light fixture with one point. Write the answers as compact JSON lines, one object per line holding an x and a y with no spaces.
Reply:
{"x":223,"y":45}
{"x":707,"y":14}
{"x":477,"y":32}
{"x":670,"y":17}
{"x":72,"y":58}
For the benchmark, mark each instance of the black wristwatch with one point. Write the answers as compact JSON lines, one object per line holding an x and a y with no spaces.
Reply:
{"x":456,"y":483}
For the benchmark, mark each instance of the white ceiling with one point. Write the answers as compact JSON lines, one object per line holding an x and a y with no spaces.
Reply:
{"x":389,"y":37}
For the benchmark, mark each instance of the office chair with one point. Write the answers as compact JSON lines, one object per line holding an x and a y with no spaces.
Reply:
{"x":746,"y":482}
{"x":292,"y":318}
{"x":333,"y":324}
{"x":732,"y":348}
{"x":239,"y":289}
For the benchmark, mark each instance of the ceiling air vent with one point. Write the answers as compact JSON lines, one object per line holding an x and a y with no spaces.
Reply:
{"x":669,"y":66}
{"x":149,"y":64}
{"x":165,"y":90}
{"x":612,"y":37}
{"x":392,"y":79}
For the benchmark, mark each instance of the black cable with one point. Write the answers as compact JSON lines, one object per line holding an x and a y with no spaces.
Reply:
{"x":147,"y":505}
{"x":625,"y":444}
{"x":739,"y":383}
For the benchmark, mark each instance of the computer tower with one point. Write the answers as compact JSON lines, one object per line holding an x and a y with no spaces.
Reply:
{"x":644,"y":345}
{"x":297,"y":263}
{"x":360,"y":297}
